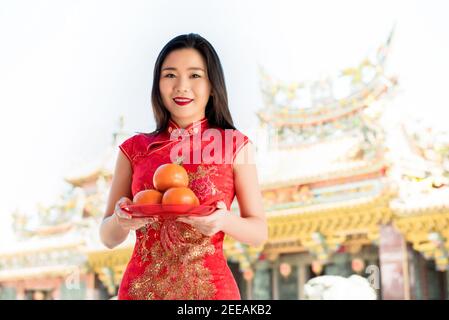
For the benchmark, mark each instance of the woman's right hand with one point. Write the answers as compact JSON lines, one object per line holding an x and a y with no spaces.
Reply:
{"x":125,"y":220}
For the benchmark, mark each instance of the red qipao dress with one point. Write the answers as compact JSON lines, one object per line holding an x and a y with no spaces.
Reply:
{"x":171,"y":260}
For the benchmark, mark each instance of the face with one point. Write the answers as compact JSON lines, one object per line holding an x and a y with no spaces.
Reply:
{"x":184,"y":74}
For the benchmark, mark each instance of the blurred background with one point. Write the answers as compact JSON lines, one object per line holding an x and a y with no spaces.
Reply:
{"x":345,"y":101}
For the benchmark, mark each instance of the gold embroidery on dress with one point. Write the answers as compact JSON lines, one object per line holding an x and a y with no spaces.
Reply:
{"x":200,"y":181}
{"x":142,"y":249}
{"x":175,"y":269}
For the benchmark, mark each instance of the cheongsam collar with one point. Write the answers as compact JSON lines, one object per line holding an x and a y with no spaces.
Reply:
{"x":192,"y":129}
{"x":175,"y":133}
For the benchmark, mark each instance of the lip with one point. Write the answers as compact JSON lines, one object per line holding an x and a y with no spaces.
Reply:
{"x":182,"y":103}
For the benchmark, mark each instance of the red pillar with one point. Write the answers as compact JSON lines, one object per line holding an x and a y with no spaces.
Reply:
{"x":394,"y":267}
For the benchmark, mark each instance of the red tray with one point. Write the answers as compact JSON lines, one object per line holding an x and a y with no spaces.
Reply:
{"x":167,"y":211}
{"x":171,"y":210}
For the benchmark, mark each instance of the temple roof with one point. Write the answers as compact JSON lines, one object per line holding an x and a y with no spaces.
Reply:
{"x":328,"y":99}
{"x":55,"y":255}
{"x":421,"y":169}
{"x":324,"y":160}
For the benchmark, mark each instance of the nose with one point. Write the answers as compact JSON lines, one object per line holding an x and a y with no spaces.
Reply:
{"x":182,"y":85}
{"x":181,"y":90}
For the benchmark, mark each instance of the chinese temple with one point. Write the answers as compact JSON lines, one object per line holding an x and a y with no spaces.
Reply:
{"x":349,"y":187}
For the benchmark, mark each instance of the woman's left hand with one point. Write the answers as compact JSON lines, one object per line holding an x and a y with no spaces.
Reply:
{"x":208,"y":225}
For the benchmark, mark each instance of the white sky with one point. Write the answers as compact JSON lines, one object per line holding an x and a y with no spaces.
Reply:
{"x":68,"y":69}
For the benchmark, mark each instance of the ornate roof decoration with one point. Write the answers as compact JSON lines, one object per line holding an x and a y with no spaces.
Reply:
{"x":422,"y":173}
{"x":302,"y":113}
{"x":310,"y":103}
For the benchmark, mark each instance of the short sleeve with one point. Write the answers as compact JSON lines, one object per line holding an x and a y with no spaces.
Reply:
{"x":127,"y":148}
{"x":239,"y":141}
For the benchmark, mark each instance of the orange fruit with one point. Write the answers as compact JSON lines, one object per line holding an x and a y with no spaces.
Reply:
{"x":170,"y":175}
{"x":180,"y":195}
{"x":149,"y":196}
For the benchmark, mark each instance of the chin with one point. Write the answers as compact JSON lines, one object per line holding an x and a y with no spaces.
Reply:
{"x":184,"y":113}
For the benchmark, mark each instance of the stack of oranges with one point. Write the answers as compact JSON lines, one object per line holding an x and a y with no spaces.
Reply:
{"x":171,"y":187}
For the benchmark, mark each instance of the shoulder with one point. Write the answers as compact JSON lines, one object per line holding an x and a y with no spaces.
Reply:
{"x":136,"y":143}
{"x":246,"y":154}
{"x":234,"y":134}
{"x":240,"y":141}
{"x":233,"y":141}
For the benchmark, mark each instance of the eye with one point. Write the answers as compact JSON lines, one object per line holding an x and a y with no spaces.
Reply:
{"x":168,"y":75}
{"x":196,"y":75}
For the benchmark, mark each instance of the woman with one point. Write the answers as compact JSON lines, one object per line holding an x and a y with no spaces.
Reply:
{"x":184,"y":259}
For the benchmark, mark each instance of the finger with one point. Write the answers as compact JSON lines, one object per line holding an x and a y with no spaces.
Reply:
{"x":124,"y":200}
{"x":192,"y":224}
{"x":192,"y":220}
{"x":221,"y":204}
{"x":145,"y":223}
{"x":123,"y":215}
{"x":119,"y":211}
{"x":122,"y":206}
{"x":138,"y":225}
{"x":185,"y":220}
{"x":199,"y":220}
{"x":149,"y":221}
{"x":206,"y":232}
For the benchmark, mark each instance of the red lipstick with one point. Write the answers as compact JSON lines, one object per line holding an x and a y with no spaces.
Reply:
{"x":182,"y":101}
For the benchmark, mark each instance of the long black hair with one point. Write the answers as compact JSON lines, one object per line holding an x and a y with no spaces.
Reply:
{"x":217,"y":109}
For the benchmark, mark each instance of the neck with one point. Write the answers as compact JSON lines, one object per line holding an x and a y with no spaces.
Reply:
{"x":185,"y":122}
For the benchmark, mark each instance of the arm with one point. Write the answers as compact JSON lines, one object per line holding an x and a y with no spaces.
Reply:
{"x":116,"y":223}
{"x":251,"y":226}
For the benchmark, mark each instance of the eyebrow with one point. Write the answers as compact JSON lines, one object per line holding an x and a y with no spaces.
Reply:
{"x":191,"y":68}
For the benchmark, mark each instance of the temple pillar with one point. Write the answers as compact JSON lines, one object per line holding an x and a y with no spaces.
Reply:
{"x":394,"y":268}
{"x":302,"y":279}
{"x":90,"y":286}
{"x":275,"y":279}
